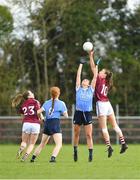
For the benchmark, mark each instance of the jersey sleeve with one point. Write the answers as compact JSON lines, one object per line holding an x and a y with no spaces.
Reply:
{"x":77,"y":88}
{"x":37,"y":106}
{"x":64,"y":108}
{"x":44,"y":106}
{"x":91,"y":88}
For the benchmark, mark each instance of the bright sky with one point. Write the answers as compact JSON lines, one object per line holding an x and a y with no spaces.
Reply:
{"x":133,"y":3}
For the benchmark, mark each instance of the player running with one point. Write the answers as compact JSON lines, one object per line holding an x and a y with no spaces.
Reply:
{"x":83,"y":113}
{"x":27,"y":105}
{"x":53,"y":109}
{"x":104,"y":108}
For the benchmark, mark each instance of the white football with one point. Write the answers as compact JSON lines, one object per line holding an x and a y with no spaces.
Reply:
{"x":87,"y":46}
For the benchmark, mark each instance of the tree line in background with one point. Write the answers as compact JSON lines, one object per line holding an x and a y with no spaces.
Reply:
{"x":49,"y":52}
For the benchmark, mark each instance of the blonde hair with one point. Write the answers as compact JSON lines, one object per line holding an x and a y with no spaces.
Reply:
{"x":19,"y":98}
{"x":55,"y":92}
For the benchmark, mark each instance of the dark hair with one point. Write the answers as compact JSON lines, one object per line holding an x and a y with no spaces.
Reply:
{"x":54,"y":91}
{"x":19,"y":98}
{"x":109,"y":78}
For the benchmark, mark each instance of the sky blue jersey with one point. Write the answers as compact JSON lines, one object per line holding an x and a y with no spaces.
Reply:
{"x":58,"y":110}
{"x":84,"y":98}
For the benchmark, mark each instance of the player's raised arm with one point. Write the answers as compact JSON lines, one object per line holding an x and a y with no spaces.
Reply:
{"x":93,"y":82}
{"x":91,"y":60}
{"x":94,"y":69}
{"x":78,"y":77}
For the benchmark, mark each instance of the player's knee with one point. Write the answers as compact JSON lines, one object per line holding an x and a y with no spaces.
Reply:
{"x":42,"y":145}
{"x":117,"y":129}
{"x":24,"y":144}
{"x":59,"y":145}
{"x":32,"y":144}
{"x":89,"y":136}
{"x":76,"y":134}
{"x":104,"y":130}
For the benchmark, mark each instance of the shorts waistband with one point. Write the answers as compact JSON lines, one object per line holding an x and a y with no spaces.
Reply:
{"x":52,"y":119}
{"x":84,"y":111}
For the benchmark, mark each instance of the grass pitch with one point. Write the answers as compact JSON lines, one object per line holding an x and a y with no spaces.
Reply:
{"x":119,"y":166}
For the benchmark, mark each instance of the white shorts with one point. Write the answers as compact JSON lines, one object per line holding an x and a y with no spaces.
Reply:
{"x":31,"y":128}
{"x":104,"y":108}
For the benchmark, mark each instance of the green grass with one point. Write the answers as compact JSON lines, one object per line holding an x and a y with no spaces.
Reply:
{"x":124,"y":166}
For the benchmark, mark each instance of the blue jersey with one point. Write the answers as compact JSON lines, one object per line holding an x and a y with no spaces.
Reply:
{"x":84,"y":98}
{"x":58,"y":110}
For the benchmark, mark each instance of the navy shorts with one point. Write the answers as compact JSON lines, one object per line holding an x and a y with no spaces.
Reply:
{"x":81,"y":117}
{"x":52,"y":126}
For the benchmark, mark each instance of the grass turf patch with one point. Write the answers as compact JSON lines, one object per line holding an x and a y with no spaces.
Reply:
{"x":119,"y":166}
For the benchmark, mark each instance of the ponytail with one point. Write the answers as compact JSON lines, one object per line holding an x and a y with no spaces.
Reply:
{"x":109,"y":79}
{"x":52,"y":106}
{"x":55,"y":92}
{"x":19,"y":98}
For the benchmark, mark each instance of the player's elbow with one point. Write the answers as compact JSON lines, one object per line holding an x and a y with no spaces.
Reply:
{"x":65,"y":114}
{"x":39,"y":111}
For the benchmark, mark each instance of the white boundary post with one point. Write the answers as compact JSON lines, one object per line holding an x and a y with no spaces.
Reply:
{"x":72,"y":132}
{"x":117,"y":119}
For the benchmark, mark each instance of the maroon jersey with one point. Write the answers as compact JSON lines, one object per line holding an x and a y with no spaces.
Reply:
{"x":101,"y":89}
{"x":29,"y":110}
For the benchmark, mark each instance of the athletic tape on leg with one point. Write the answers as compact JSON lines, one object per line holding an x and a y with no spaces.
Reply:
{"x":117,"y":129}
{"x":104,"y":130}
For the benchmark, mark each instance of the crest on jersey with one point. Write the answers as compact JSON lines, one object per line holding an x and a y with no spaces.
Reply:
{"x":51,"y":111}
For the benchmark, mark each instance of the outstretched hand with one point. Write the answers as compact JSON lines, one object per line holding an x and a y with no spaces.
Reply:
{"x":91,"y":53}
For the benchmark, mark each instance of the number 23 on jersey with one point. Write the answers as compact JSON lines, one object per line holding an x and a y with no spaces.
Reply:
{"x":28,"y":110}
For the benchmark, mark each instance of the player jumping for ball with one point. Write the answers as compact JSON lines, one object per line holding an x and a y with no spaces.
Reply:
{"x":83,"y":113}
{"x":104,"y":108}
